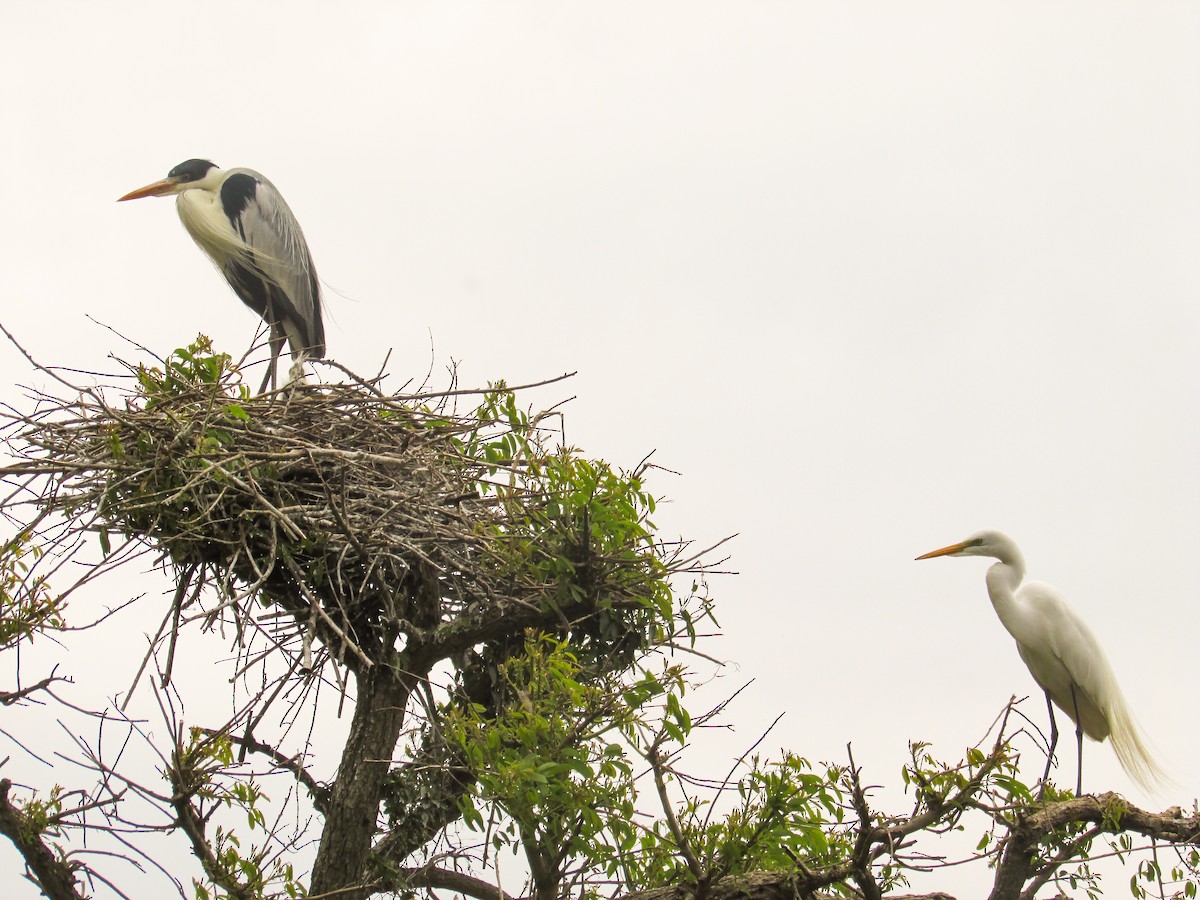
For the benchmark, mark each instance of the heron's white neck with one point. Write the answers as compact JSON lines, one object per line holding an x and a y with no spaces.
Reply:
{"x":204,"y":219}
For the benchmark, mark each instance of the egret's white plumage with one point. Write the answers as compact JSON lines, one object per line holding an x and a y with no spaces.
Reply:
{"x":1062,"y":654}
{"x":242,"y":223}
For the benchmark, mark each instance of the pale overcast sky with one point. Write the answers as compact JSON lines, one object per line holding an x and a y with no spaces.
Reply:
{"x":870,"y":276}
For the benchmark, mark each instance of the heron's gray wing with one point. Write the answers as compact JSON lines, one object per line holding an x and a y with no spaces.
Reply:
{"x":263,"y":220}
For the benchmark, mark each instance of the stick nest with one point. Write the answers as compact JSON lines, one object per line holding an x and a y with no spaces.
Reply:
{"x":377,"y":523}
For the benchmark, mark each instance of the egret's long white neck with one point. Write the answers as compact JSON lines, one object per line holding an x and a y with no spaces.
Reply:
{"x":1003,"y":579}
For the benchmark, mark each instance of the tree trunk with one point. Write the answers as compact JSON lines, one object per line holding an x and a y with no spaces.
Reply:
{"x":353,"y":810}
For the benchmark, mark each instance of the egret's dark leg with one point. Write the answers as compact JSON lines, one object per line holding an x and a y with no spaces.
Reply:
{"x":1078,"y":745}
{"x":1053,"y":744}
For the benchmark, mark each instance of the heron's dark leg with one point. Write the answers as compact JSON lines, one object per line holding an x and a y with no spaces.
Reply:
{"x":1053,"y":744}
{"x":277,"y":339}
{"x":1078,"y":745}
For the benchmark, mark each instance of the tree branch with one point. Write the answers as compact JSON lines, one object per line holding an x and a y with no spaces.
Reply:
{"x":1109,"y":812}
{"x":55,"y":876}
{"x":192,"y":824}
{"x":681,"y":840}
{"x":435,"y":878}
{"x":760,"y":886}
{"x":318,"y":792}
{"x":8,"y":698}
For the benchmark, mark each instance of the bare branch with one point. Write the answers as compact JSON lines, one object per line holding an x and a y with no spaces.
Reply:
{"x":10,"y":697}
{"x":435,"y":878}
{"x":317,"y":791}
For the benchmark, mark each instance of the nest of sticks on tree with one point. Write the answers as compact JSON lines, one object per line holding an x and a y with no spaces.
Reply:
{"x":365,"y":524}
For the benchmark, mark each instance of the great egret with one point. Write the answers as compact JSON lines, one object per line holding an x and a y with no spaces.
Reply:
{"x":240,"y":220}
{"x":1063,"y":656}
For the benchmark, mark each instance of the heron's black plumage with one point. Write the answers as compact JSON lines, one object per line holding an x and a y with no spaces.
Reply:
{"x":191,"y":170}
{"x":264,"y":297}
{"x":236,"y":193}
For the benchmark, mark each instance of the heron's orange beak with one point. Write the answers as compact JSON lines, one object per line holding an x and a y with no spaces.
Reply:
{"x":158,"y":189}
{"x":945,"y":551}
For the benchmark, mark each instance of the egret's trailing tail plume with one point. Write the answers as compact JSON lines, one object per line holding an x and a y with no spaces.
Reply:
{"x":241,"y":222}
{"x":1133,"y":754}
{"x":1064,"y":658}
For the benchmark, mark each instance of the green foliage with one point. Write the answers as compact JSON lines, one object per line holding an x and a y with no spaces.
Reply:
{"x":199,"y":396}
{"x":787,"y":814}
{"x":946,"y":791}
{"x":576,"y":527}
{"x":551,"y":760}
{"x":203,"y":770}
{"x":39,"y":816}
{"x":206,"y":758}
{"x":187,"y":368}
{"x":1152,"y":879}
{"x":555,"y":762}
{"x":26,"y":605}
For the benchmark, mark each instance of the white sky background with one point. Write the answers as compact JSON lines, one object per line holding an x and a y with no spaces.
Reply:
{"x":870,"y":276}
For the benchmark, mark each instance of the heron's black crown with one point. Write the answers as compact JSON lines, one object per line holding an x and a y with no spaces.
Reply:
{"x":192,"y":170}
